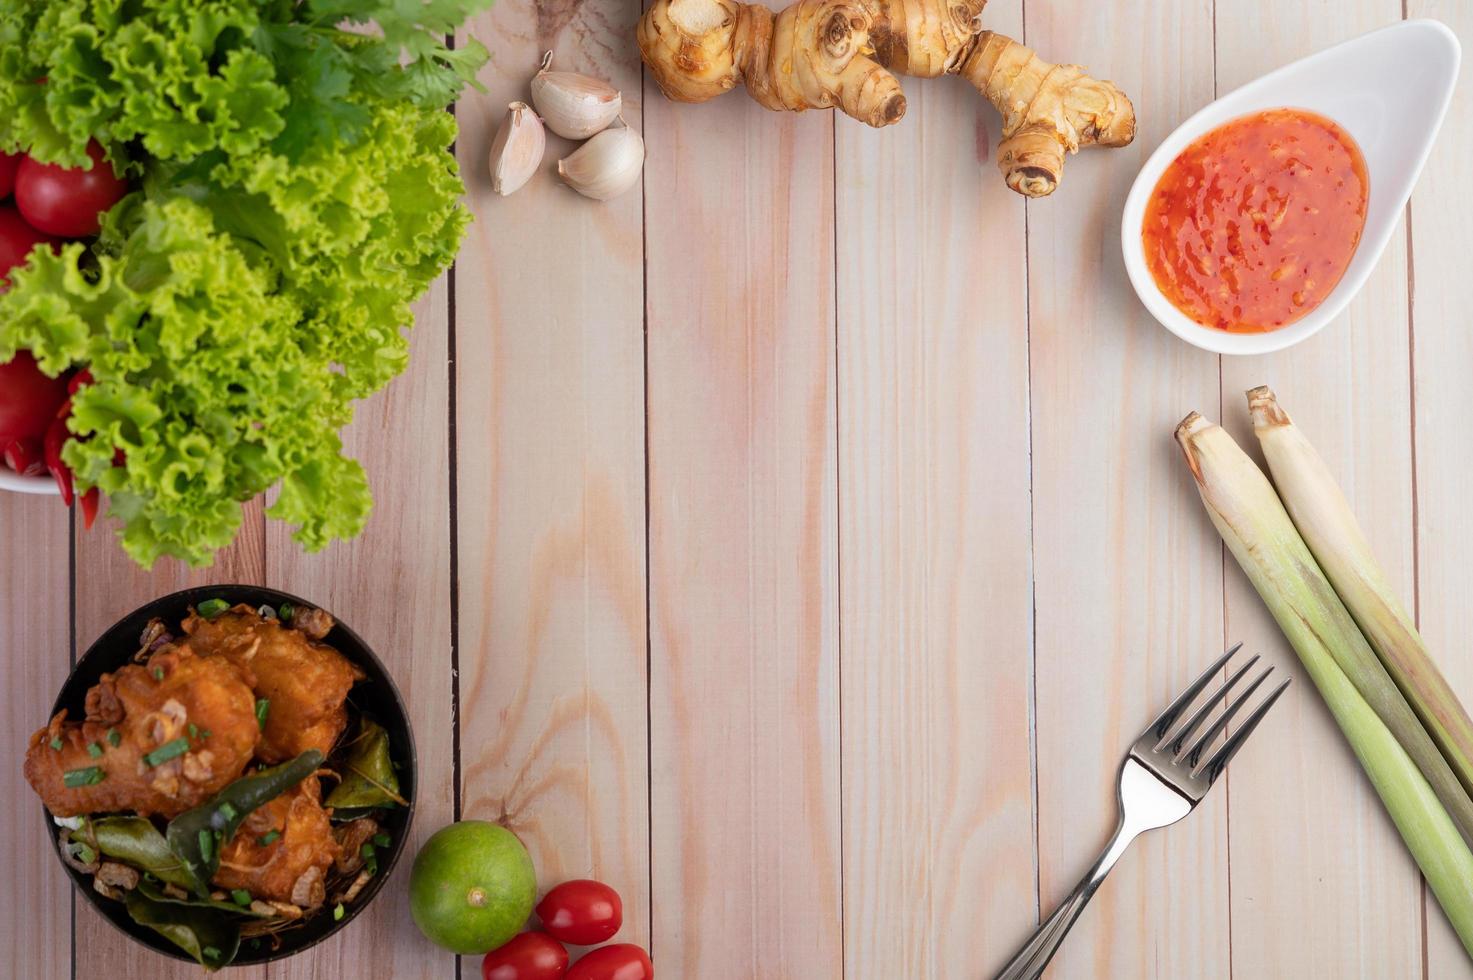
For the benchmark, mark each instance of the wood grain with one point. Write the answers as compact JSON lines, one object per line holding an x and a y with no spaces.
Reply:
{"x":1442,"y":352}
{"x":392,"y":586}
{"x":744,"y":720}
{"x":1127,"y":568}
{"x":935,"y":591}
{"x":1347,"y":387}
{"x":550,"y":445}
{"x":35,"y":642}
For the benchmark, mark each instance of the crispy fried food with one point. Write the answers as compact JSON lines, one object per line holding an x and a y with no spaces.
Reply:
{"x":289,"y":868}
{"x":304,"y":681}
{"x":207,"y":702}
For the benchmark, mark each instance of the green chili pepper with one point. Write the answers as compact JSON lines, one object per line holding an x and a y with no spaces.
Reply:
{"x":193,"y":834}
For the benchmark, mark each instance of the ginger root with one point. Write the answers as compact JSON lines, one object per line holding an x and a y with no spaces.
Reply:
{"x":816,"y":54}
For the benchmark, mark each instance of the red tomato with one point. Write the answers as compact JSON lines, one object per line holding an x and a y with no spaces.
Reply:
{"x":28,"y":399}
{"x":529,"y":956}
{"x":9,"y":162}
{"x":620,"y":961}
{"x":67,"y":201}
{"x":581,"y":912}
{"x":16,"y":241}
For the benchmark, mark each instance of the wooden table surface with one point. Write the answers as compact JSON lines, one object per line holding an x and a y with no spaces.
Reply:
{"x":796,"y":544}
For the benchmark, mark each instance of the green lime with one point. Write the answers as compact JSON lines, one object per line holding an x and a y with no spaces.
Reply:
{"x":472,"y":887}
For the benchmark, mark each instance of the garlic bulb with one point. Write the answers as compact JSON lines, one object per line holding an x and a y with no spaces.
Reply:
{"x":606,"y":166}
{"x":574,"y":106}
{"x":517,"y":150}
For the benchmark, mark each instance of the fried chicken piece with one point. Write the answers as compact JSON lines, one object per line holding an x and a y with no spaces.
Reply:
{"x":305,"y":682}
{"x":139,"y":710}
{"x":291,"y":867}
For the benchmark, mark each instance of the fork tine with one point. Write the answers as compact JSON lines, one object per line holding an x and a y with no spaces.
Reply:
{"x":1162,"y":725}
{"x":1224,"y":755}
{"x":1194,"y":754}
{"x":1200,"y":715}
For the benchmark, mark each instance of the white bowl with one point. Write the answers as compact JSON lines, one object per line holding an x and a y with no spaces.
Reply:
{"x":1388,"y":89}
{"x":15,"y":483}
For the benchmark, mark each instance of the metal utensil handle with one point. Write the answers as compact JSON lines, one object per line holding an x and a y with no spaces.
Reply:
{"x":1030,"y":961}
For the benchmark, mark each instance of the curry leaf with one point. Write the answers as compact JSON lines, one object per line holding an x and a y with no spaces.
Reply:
{"x":156,"y":894}
{"x":196,"y":836}
{"x":369,"y":780}
{"x":137,"y":842}
{"x":209,"y":937}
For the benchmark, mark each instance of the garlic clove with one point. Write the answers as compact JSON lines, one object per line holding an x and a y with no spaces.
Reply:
{"x":572,"y":105}
{"x":606,"y":166}
{"x":517,"y":150}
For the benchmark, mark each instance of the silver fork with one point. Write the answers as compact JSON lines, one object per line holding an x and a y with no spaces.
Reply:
{"x":1161,"y":781}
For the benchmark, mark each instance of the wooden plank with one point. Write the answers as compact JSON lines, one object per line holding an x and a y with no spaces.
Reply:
{"x":744,"y":718}
{"x":1127,"y":569}
{"x":35,"y":645}
{"x":108,"y":587}
{"x":391,"y":584}
{"x":1321,"y":914}
{"x":550,"y":429}
{"x":1442,"y":350}
{"x":936,"y":596}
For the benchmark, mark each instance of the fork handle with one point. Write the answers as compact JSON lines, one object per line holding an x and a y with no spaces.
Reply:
{"x":1030,"y":961}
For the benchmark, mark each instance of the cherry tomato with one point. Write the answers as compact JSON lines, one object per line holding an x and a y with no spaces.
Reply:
{"x":620,"y":961}
{"x":28,"y":399}
{"x":67,"y":201}
{"x":9,"y":163}
{"x":529,"y":956}
{"x":581,"y":912}
{"x":16,"y":241}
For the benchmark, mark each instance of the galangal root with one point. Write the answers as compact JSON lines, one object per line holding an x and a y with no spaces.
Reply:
{"x":817,"y":54}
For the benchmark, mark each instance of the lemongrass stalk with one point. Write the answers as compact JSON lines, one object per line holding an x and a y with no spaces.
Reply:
{"x":1257,"y":530}
{"x":1328,"y":525}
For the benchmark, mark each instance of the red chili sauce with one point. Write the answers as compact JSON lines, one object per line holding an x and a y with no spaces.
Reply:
{"x":1253,"y":224}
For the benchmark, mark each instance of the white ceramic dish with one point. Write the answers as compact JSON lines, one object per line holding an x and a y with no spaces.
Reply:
{"x":14,"y":482}
{"x":1388,"y":89}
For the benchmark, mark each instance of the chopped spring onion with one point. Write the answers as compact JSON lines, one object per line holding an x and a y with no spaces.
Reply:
{"x":193,"y":730}
{"x":210,"y":953}
{"x":56,"y":743}
{"x":94,"y":750}
{"x":158,"y":673}
{"x":211,"y":608}
{"x":90,"y":776}
{"x":113,"y":737}
{"x":84,"y":853}
{"x":263,"y":708}
{"x":286,"y":611}
{"x":207,"y":844}
{"x":269,"y":838}
{"x":227,"y":812}
{"x":169,"y":750}
{"x":337,"y":912}
{"x":382,"y":840}
{"x":241,"y":897}
{"x":1257,"y":530}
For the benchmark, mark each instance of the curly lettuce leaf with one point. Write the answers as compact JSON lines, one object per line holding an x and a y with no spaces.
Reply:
{"x":294,"y":193}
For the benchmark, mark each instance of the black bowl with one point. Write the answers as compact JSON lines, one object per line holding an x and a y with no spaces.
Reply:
{"x":377,"y":697}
